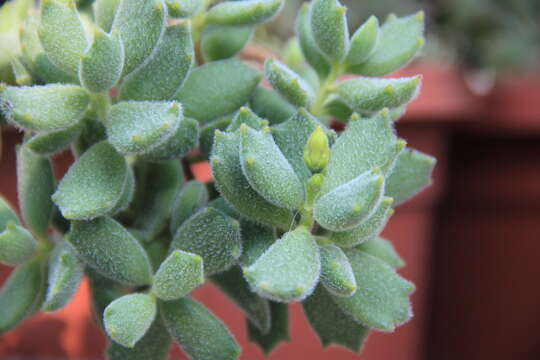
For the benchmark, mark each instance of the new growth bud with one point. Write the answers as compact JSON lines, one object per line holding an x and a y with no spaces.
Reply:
{"x":317,"y":151}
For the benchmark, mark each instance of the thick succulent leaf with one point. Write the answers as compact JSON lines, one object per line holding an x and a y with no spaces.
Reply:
{"x":93,"y":131}
{"x":35,"y":185}
{"x":141,"y":24}
{"x":17,"y":244}
{"x":222,"y":205}
{"x":200,"y":333}
{"x":178,"y":275}
{"x":288,"y":84}
{"x":368,"y":229}
{"x":367,"y":95}
{"x":267,"y":170}
{"x":235,"y":188}
{"x":256,"y":309}
{"x":180,"y":143}
{"x":216,"y":89}
{"x":104,"y":12}
{"x":279,"y":330}
{"x":245,"y":116}
{"x":192,"y":197}
{"x":128,"y":193}
{"x":366,"y":144}
{"x":183,"y":8}
{"x":329,"y":28}
{"x":44,"y":108}
{"x":243,"y":12}
{"x":269,"y":105}
{"x":154,"y":345}
{"x":162,"y":76}
{"x":410,"y":175}
{"x":62,"y":34}
{"x":382,"y":299}
{"x":384,"y":250}
{"x":127,"y":319}
{"x":93,"y":185}
{"x":399,"y":40}
{"x":111,"y":250}
{"x":309,"y":47}
{"x":212,"y":235}
{"x":348,"y":205}
{"x":101,"y":65}
{"x":22,"y":293}
{"x":65,"y":275}
{"x":7,"y":214}
{"x":331,"y":324}
{"x":223,"y":42}
{"x":289,"y":270}
{"x":256,"y":239}
{"x":50,"y":143}
{"x":336,"y":272}
{"x":363,"y":41}
{"x":206,"y":138}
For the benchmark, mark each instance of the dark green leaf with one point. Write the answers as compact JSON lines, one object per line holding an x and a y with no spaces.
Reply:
{"x":279,"y":331}
{"x":189,"y":200}
{"x":222,"y":42}
{"x":17,"y":245}
{"x":269,"y":105}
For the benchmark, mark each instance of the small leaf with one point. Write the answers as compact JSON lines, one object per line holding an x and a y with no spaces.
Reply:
{"x":269,"y":105}
{"x":189,"y":200}
{"x":50,"y":143}
{"x":310,"y":49}
{"x":212,"y":235}
{"x":288,"y":83}
{"x":383,"y":250}
{"x":279,"y":330}
{"x":245,"y":116}
{"x":65,"y":275}
{"x":102,"y":63}
{"x":268,"y":171}
{"x":331,"y":324}
{"x":382,"y":299}
{"x":399,"y":40}
{"x":44,"y":108}
{"x":256,"y":309}
{"x":7,"y":214}
{"x":350,"y":204}
{"x":363,"y":41}
{"x":178,"y":275}
{"x":110,"y":249}
{"x":368,"y":229}
{"x":21,"y":73}
{"x":410,"y":175}
{"x":128,"y":318}
{"x":256,"y":239}
{"x":17,"y":245}
{"x":206,"y":138}
{"x":93,"y":185}
{"x":162,"y":76}
{"x":183,"y":8}
{"x":216,"y":89}
{"x":223,"y":42}
{"x":139,"y":127}
{"x":141,"y":24}
{"x":329,"y":28}
{"x":62,"y":34}
{"x":336,"y":272}
{"x":179,"y":144}
{"x":243,"y":12}
{"x":200,"y":333}
{"x":104,"y":13}
{"x":289,"y":270}
{"x":35,"y":185}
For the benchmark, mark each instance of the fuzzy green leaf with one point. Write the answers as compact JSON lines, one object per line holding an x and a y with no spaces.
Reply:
{"x":279,"y":330}
{"x":21,"y":73}
{"x":336,"y":272}
{"x":256,"y":239}
{"x":245,"y":116}
{"x":212,"y":235}
{"x":410,"y":175}
{"x":189,"y":200}
{"x":93,"y":185}
{"x":243,"y":12}
{"x":101,"y":65}
{"x":17,"y":245}
{"x":288,"y":84}
{"x":141,"y":24}
{"x":128,"y":193}
{"x":62,"y":34}
{"x":110,"y":249}
{"x":104,"y":12}
{"x":216,"y":89}
{"x":363,"y":41}
{"x":269,"y":105}
{"x":44,"y":108}
{"x":368,"y":229}
{"x":256,"y":309}
{"x":128,"y":318}
{"x":50,"y":143}
{"x":309,"y":47}
{"x":162,"y":76}
{"x":289,"y":270}
{"x":179,"y":144}
{"x":7,"y":214}
{"x":65,"y":275}
{"x":183,"y":8}
{"x":268,"y":171}
{"x":399,"y":41}
{"x":222,"y":205}
{"x":178,"y":275}
{"x":383,"y":250}
{"x":329,"y":28}
{"x":223,"y":42}
{"x":382,"y":299}
{"x":331,"y":324}
{"x":200,"y":333}
{"x":206,"y":138}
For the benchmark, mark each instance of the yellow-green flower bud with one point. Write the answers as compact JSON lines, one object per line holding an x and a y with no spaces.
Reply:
{"x":317,"y":150}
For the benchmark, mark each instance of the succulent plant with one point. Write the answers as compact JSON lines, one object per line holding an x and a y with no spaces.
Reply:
{"x":138,"y":90}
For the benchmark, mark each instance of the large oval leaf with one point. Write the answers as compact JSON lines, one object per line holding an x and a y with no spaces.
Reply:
{"x":178,"y":275}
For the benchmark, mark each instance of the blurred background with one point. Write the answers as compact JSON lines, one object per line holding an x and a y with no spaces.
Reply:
{"x":471,"y":241}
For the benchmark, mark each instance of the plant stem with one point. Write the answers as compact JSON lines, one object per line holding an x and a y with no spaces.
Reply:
{"x":326,"y":87}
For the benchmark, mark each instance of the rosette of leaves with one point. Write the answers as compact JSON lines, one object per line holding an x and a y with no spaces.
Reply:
{"x":138,"y":90}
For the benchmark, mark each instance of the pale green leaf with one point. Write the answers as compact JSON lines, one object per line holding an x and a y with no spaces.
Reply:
{"x":248,"y":117}
{"x":309,"y":47}
{"x":363,"y":41}
{"x":329,"y":28}
{"x":183,"y":8}
{"x":336,"y":272}
{"x":104,"y":12}
{"x":179,"y":144}
{"x":243,"y":12}
{"x":7,"y":214}
{"x":180,"y":274}
{"x":384,"y":250}
{"x":17,"y":245}
{"x":288,"y":84}
{"x":52,"y":142}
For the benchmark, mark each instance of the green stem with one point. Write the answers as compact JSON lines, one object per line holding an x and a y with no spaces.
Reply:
{"x":326,"y":87}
